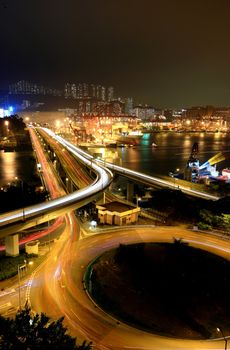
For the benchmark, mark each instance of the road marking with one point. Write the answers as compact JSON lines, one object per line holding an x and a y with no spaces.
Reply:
{"x":30,"y":282}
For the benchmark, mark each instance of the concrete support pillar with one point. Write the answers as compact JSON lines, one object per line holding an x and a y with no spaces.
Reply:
{"x":69,"y":185}
{"x":12,"y":245}
{"x":130,"y":191}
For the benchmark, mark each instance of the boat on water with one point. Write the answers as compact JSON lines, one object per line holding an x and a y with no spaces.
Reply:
{"x":128,"y":137}
{"x":111,"y":144}
{"x":125,"y":145}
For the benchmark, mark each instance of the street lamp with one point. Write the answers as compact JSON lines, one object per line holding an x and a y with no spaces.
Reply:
{"x":138,"y":199}
{"x":22,"y":190}
{"x":225,"y":339}
{"x":21,"y":268}
{"x":93,"y":224}
{"x":7,"y":125}
{"x":67,"y":182}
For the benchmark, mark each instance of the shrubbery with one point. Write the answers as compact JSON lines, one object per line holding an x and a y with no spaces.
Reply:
{"x":36,"y":331}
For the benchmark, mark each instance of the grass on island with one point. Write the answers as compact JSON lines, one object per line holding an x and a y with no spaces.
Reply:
{"x":9,"y":265}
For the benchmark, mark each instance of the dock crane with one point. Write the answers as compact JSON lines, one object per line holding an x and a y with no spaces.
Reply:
{"x":193,"y":168}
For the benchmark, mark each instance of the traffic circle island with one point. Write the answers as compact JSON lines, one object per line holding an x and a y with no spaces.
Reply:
{"x":170,"y":289}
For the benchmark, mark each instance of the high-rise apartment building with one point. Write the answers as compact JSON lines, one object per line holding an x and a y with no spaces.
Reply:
{"x":85,"y":90}
{"x":98,"y":92}
{"x":70,"y":91}
{"x":82,"y":90}
{"x":92,"y":90}
{"x":79,"y":91}
{"x":110,"y":93}
{"x":144,"y":112}
{"x":103,"y":93}
{"x":128,"y":105}
{"x":67,"y":90}
{"x":73,"y":91}
{"x":24,"y":87}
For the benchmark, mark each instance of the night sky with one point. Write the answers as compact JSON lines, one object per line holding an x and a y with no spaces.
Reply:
{"x":168,"y":53}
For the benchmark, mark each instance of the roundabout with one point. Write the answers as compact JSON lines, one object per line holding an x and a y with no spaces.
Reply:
{"x":65,"y":294}
{"x":164,"y":288}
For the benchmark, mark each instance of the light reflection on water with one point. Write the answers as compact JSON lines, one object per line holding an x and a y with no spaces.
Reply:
{"x":15,"y":164}
{"x":172,"y":151}
{"x":8,"y":169}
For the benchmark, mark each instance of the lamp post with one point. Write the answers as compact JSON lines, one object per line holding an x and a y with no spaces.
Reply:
{"x":7,"y":125}
{"x":138,"y":199}
{"x":93,"y":224}
{"x":67,"y":183}
{"x":225,"y":339}
{"x":19,"y":286}
{"x":20,"y":269}
{"x":22,"y":191}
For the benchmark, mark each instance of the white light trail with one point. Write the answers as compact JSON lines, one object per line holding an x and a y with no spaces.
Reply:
{"x":104,"y":177}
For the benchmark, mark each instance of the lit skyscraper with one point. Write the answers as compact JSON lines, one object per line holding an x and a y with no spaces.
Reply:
{"x":110,"y":93}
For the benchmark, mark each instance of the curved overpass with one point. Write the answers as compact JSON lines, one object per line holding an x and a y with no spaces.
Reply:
{"x":151,"y":180}
{"x":13,"y":221}
{"x":144,"y":178}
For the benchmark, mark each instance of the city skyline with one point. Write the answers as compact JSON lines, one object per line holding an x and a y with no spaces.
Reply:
{"x":168,"y":54}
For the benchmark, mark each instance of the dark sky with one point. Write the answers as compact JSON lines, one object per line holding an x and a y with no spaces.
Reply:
{"x":167,"y":53}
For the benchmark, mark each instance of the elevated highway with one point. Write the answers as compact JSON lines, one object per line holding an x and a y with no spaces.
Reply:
{"x":18,"y":220}
{"x":57,"y":287}
{"x":154,"y":181}
{"x":13,"y":222}
{"x":144,"y":178}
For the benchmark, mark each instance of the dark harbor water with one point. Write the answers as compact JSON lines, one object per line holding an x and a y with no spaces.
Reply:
{"x":15,"y":164}
{"x":173,"y":151}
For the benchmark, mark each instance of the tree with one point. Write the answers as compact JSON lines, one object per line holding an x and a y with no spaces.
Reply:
{"x":207,"y":216}
{"x":226,"y":222}
{"x":28,"y":331}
